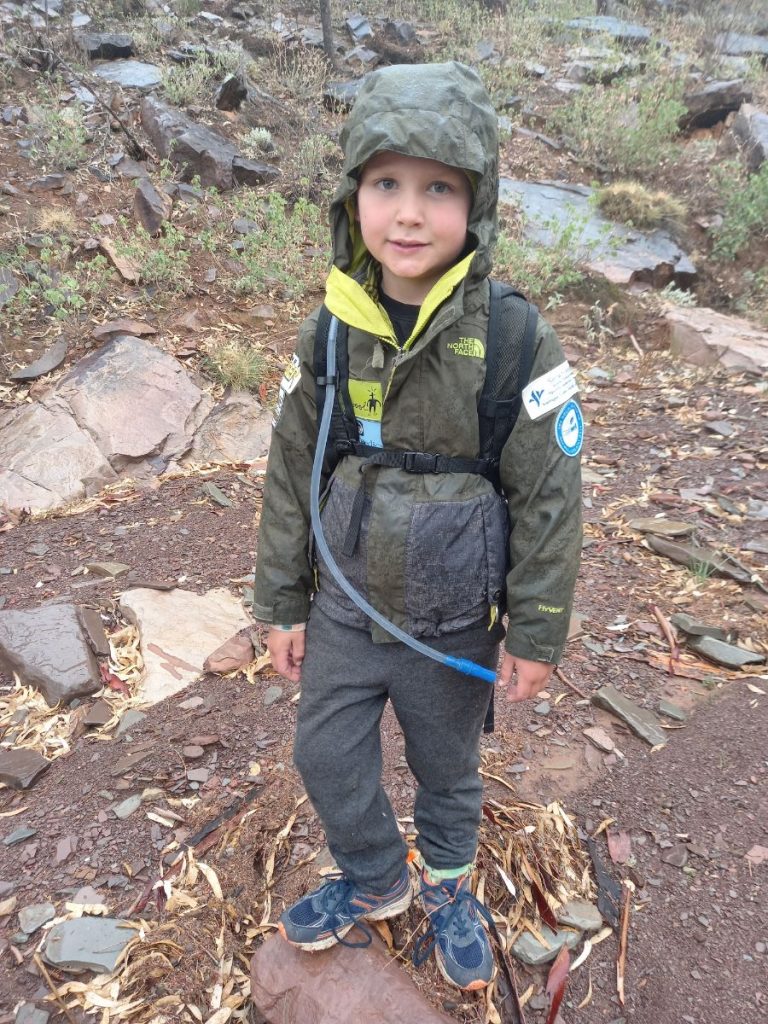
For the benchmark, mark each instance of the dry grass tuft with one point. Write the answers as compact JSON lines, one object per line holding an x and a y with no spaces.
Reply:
{"x":633,"y":203}
{"x":237,"y":364}
{"x":56,"y":220}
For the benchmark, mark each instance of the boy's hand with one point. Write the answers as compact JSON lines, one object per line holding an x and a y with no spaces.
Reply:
{"x":522,"y":678}
{"x":287,"y":652}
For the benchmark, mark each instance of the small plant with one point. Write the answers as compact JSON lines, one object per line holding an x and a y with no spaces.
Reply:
{"x":641,"y":207}
{"x":310,"y":163}
{"x":164,"y":261}
{"x":597,"y":323}
{"x":256,"y":142}
{"x":301,"y":72}
{"x":276,"y":254}
{"x":702,"y":569}
{"x":678,"y":296}
{"x":52,"y":284}
{"x":538,"y":269}
{"x":624,"y":129}
{"x":236,"y":364}
{"x":189,"y":83}
{"x":59,"y":137}
{"x":745,"y":219}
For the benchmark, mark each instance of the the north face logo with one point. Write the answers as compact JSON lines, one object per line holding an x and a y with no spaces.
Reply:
{"x":467,"y":347}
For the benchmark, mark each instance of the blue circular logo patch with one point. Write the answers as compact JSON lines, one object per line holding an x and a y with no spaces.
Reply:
{"x":569,"y":428}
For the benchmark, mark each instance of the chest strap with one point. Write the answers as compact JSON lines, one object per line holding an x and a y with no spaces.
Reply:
{"x":413,"y":462}
{"x":393,"y":458}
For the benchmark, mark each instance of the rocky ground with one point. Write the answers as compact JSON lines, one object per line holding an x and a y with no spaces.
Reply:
{"x":132,"y":469}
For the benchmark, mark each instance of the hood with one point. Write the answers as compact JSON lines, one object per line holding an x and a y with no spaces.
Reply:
{"x":434,"y":111}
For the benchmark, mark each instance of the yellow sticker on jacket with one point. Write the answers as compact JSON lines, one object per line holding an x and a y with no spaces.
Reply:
{"x":366,"y":398}
{"x":367,"y":402}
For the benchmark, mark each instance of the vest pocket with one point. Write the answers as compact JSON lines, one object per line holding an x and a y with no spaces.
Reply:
{"x":455,"y":563}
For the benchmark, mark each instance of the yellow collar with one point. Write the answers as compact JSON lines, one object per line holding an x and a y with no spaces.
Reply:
{"x":351,"y":303}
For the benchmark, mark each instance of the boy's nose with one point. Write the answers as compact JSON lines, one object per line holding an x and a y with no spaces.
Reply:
{"x":410,"y":210}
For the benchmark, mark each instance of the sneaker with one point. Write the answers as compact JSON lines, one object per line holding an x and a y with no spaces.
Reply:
{"x":324,"y":917}
{"x":456,"y":933}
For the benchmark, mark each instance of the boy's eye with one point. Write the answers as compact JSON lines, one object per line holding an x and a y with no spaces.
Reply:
{"x":441,"y":187}
{"x":386,"y":184}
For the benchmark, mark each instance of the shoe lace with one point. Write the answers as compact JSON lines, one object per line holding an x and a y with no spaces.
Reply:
{"x":336,"y":898}
{"x":454,"y":912}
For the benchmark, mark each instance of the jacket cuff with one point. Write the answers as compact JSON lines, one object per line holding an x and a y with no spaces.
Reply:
{"x":294,"y":611}
{"x":524,"y":646}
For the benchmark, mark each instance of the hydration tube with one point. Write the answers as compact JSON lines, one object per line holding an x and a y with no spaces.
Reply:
{"x":464,"y":665}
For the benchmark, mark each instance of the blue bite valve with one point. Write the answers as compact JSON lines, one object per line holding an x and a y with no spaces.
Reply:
{"x":471,"y":668}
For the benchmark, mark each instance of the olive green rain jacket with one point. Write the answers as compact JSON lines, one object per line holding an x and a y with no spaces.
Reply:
{"x":439,"y":552}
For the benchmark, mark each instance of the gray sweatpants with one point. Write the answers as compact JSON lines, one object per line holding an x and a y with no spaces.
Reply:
{"x":346,"y":680}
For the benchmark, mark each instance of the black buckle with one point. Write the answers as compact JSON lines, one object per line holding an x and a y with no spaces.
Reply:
{"x":342,"y":446}
{"x":419,"y":462}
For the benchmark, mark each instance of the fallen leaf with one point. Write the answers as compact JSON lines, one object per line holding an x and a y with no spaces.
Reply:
{"x":556,"y":982}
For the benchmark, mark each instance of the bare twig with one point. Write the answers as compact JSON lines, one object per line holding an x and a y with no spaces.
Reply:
{"x":54,"y":991}
{"x":635,"y":345}
{"x":52,"y":60}
{"x":666,"y":628}
{"x":571,"y":686}
{"x":621,"y":963}
{"x":753,"y":577}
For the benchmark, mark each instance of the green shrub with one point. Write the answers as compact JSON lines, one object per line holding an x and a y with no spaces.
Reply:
{"x":745,"y":218}
{"x":276,"y":255}
{"x":52,"y":284}
{"x":163,"y":261}
{"x":624,"y":129}
{"x":539,"y":270}
{"x":185,"y":84}
{"x":59,"y":137}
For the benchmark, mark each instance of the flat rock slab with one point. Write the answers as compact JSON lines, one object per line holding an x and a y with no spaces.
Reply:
{"x":48,"y":650}
{"x":50,"y":360}
{"x":179,"y":630}
{"x":131,"y":74}
{"x":619,"y":253}
{"x":238,"y":429}
{"x":87,"y":944}
{"x":621,"y":31}
{"x":29,"y":477}
{"x":335,"y":986}
{"x":21,"y":768}
{"x":532,"y":952}
{"x":33,"y":917}
{"x":750,"y":126}
{"x":737,"y":44}
{"x":580,"y":914}
{"x":643,"y":723}
{"x":725,"y":654}
{"x":136,"y":401}
{"x":703,"y":337}
{"x":662,"y":527}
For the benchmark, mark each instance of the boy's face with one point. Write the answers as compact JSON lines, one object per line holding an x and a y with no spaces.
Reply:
{"x":413,"y":218}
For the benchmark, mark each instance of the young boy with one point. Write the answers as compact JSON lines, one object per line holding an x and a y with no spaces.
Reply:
{"x":439,"y":554}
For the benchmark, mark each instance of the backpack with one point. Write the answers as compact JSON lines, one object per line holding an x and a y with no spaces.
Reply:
{"x":512,"y":322}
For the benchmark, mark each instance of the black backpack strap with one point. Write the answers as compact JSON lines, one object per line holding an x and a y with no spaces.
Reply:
{"x":343,"y":422}
{"x":512,"y":323}
{"x":510,"y":341}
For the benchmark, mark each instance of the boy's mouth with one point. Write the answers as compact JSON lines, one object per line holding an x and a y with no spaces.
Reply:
{"x":406,"y":245}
